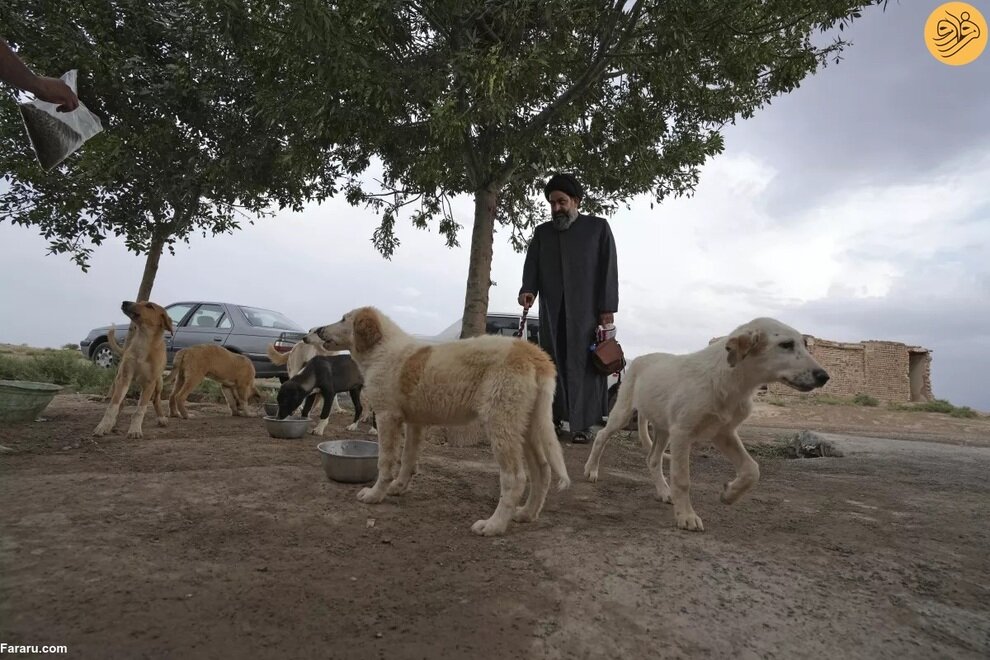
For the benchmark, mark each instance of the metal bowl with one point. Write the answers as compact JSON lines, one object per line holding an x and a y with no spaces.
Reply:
{"x":289,"y":428}
{"x":271,"y":409}
{"x":23,"y":400}
{"x":349,"y":461}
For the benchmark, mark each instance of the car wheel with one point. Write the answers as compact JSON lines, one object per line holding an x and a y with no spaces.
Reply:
{"x":102,"y":356}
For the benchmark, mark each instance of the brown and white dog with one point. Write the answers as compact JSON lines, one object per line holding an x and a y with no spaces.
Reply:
{"x":143,"y":361}
{"x":705,"y":396}
{"x":234,"y":373}
{"x":507,"y":384}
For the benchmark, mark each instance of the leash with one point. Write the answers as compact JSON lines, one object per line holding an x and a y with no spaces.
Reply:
{"x":522,"y":323}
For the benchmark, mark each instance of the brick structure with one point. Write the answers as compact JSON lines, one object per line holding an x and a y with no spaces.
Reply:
{"x":886,"y":370}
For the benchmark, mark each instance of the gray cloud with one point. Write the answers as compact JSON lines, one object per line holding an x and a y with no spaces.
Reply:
{"x":888,"y":112}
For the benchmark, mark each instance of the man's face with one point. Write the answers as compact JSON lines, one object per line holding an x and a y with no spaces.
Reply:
{"x":562,"y":205}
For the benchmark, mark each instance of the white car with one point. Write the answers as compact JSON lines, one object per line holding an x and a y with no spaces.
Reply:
{"x":507,"y":324}
{"x":496,"y":323}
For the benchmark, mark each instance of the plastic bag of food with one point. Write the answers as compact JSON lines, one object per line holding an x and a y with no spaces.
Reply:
{"x":54,"y":135}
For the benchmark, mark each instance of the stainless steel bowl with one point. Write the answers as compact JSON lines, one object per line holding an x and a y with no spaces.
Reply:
{"x":289,"y":428}
{"x":349,"y":461}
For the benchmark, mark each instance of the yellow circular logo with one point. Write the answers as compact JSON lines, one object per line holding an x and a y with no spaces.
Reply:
{"x":956,"y":33}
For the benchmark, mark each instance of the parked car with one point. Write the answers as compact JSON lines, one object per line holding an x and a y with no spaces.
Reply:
{"x":239,"y":328}
{"x":496,"y":323}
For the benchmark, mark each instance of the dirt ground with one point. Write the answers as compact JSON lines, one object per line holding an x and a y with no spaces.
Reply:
{"x":209,"y":539}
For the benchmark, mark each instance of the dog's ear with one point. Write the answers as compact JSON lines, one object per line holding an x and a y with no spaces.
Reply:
{"x":744,"y":344}
{"x":367,"y":330}
{"x":167,"y":322}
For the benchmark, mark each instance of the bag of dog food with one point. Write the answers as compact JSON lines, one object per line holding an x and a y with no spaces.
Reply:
{"x":54,"y":135}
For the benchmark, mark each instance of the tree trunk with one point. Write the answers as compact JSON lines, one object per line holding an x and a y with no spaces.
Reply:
{"x":151,"y":265}
{"x":480,"y":268}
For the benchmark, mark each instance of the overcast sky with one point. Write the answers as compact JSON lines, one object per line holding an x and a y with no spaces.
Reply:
{"x":857,"y":207}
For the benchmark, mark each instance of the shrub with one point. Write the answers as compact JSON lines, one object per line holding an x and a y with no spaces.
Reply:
{"x":865,"y":400}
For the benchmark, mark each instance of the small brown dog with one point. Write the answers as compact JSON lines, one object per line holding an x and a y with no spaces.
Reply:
{"x":143,"y":361}
{"x":234,"y":372}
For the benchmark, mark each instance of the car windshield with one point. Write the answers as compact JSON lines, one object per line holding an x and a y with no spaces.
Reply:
{"x":265,"y":318}
{"x":453,"y":332}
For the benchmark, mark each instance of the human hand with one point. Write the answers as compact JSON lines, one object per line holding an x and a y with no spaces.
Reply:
{"x":605,"y":318}
{"x":54,"y":90}
{"x":526,"y":300}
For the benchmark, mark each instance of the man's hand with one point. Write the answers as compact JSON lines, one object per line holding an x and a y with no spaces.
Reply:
{"x":54,"y":90}
{"x":526,"y":300}
{"x":605,"y":318}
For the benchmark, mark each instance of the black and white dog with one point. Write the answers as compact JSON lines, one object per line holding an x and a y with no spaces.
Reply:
{"x":328,"y":375}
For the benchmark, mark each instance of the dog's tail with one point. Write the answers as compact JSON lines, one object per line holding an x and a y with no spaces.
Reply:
{"x":112,"y":341}
{"x":622,"y":409}
{"x":643,"y":427}
{"x":275,"y":356}
{"x":541,"y":428}
{"x":176,"y":366}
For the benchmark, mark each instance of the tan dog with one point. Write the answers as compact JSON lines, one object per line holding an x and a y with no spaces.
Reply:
{"x":296,"y":359}
{"x":143,"y":361}
{"x":234,"y":373}
{"x":507,"y":384}
{"x":705,"y":396}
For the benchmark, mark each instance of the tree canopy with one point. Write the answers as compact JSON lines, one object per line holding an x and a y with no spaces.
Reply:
{"x":487,"y":98}
{"x":184,"y":149}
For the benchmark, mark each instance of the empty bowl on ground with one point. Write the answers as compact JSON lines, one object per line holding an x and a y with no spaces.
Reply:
{"x":349,"y":461}
{"x":23,"y":400}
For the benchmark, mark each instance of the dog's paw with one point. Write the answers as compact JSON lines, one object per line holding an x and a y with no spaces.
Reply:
{"x":316,"y":431}
{"x":663,"y":494}
{"x":370,"y":496}
{"x":102,"y":429}
{"x":373,"y":431}
{"x":689,"y":521}
{"x":162,"y":421}
{"x":352,"y":427}
{"x":590,"y":473}
{"x":735,"y":489}
{"x":135,"y":434}
{"x":522,"y":515}
{"x":397,"y":487}
{"x":487,"y":528}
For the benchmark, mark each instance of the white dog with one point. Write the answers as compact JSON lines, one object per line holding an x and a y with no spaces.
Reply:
{"x":705,"y":396}
{"x":507,"y":384}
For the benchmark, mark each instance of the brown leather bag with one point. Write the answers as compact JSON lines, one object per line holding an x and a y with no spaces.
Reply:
{"x":608,"y":357}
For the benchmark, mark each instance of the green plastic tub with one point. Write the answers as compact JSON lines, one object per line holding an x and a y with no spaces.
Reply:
{"x":23,"y":400}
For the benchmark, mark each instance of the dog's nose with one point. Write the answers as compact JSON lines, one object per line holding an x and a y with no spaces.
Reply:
{"x":821,"y":376}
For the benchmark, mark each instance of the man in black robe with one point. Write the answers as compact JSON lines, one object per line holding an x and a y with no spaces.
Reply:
{"x":571,"y":266}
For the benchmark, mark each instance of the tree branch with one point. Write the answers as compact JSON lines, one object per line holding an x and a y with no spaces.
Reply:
{"x":584,"y":82}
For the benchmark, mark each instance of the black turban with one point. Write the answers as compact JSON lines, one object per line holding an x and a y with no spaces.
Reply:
{"x":566,"y":184}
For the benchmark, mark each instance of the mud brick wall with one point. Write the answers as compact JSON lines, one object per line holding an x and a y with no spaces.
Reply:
{"x":926,"y":376}
{"x":887,"y":367}
{"x":880,"y":369}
